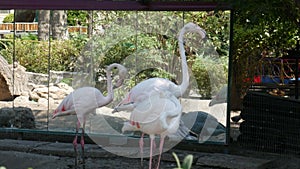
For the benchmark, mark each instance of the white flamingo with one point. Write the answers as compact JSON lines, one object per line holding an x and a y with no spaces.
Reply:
{"x":141,"y":91}
{"x":86,"y":100}
{"x":142,"y":94}
{"x":159,"y":114}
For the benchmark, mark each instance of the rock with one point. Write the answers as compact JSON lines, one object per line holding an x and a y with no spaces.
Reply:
{"x":43,"y":101}
{"x":56,"y":93}
{"x":21,"y":99}
{"x":10,"y":86}
{"x":65,"y":87}
{"x":43,"y":89}
{"x":33,"y":96}
{"x":5,"y":80}
{"x":20,"y":117}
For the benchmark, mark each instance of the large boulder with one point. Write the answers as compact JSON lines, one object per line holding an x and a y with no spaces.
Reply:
{"x":13,"y":80}
{"x":18,"y":117}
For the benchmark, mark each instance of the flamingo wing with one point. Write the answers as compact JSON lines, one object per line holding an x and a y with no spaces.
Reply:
{"x":157,"y":109}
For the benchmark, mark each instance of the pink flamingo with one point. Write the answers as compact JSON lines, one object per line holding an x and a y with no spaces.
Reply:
{"x":141,"y":91}
{"x":159,"y":114}
{"x":141,"y":95}
{"x":86,"y":100}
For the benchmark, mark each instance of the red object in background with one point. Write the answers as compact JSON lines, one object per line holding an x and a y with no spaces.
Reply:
{"x":257,"y":79}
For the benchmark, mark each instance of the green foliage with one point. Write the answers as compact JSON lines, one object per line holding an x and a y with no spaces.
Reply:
{"x":187,"y":162}
{"x":77,"y":17}
{"x":79,"y":40}
{"x":29,"y":36}
{"x":67,"y":81}
{"x":210,"y":75}
{"x":33,"y":55}
{"x":8,"y":19}
{"x":217,"y":26}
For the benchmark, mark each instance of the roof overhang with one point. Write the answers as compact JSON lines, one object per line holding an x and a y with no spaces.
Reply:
{"x":112,"y":5}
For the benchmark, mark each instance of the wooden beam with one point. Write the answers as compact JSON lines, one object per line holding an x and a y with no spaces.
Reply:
{"x":111,"y":5}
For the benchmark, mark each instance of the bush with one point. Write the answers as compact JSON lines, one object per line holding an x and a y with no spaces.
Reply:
{"x":34,"y":55}
{"x":210,"y":74}
{"x":9,"y":18}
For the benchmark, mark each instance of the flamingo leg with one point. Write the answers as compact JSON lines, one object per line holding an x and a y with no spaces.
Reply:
{"x":75,"y":144}
{"x":161,"y":145}
{"x":82,"y":144}
{"x":152,"y":145}
{"x":141,"y":143}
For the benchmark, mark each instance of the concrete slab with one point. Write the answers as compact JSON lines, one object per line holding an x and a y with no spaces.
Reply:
{"x":19,"y":154}
{"x":231,"y":161}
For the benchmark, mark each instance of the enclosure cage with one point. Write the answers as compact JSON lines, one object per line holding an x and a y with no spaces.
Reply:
{"x":51,"y":48}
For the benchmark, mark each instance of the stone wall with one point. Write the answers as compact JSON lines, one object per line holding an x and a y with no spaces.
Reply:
{"x":42,"y":79}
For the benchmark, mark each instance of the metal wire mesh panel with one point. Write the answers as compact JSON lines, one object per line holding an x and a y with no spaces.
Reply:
{"x":271,"y":123}
{"x":53,"y":59}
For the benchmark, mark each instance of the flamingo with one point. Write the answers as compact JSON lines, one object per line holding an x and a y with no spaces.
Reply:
{"x":141,"y":91}
{"x":86,"y":100}
{"x":159,"y":114}
{"x":141,"y":95}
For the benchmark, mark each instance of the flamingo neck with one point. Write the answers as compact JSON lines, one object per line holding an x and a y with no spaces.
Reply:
{"x":110,"y":93}
{"x":184,"y":68}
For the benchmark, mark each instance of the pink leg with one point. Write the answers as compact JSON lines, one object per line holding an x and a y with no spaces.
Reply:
{"x":161,"y":145}
{"x":141,"y":143}
{"x":75,"y":143}
{"x":82,"y":144}
{"x":151,"y":150}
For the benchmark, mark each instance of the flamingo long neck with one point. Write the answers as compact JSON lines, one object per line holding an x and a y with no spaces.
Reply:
{"x":184,"y":68}
{"x":110,"y":93}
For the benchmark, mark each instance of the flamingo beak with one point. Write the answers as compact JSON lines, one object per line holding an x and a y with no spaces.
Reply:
{"x":119,"y":83}
{"x":54,"y":114}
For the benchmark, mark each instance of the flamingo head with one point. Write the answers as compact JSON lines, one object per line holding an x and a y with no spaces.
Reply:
{"x":128,"y":127}
{"x":191,"y":27}
{"x":54,"y":113}
{"x":122,"y":72}
{"x":58,"y":111}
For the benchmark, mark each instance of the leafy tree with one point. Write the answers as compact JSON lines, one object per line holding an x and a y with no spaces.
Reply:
{"x":269,"y":27}
{"x":77,"y":17}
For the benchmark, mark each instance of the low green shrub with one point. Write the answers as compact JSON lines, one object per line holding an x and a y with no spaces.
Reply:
{"x":9,"y":18}
{"x":34,"y":55}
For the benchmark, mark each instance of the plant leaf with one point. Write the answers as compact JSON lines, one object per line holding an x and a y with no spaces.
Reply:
{"x":187,"y":162}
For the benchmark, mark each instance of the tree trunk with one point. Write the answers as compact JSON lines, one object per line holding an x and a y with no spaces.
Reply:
{"x":43,"y":24}
{"x":90,"y":24}
{"x":59,"y":25}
